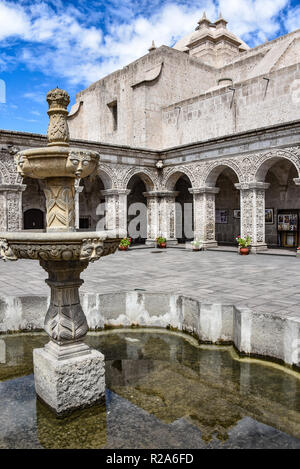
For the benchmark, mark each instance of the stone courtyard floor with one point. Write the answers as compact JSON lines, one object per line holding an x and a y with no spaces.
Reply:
{"x":269,"y":284}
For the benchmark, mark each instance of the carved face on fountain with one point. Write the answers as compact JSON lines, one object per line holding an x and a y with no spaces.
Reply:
{"x":80,"y":162}
{"x":92,"y":250}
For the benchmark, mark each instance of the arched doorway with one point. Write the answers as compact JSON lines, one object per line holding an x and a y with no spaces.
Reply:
{"x":91,"y":203}
{"x":137,"y":210}
{"x":282,"y":205}
{"x":33,"y":219}
{"x":33,"y":205}
{"x":227,"y":205}
{"x":184,"y":210}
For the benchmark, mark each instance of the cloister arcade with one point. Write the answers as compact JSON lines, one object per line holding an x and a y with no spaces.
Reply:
{"x":215,"y":200}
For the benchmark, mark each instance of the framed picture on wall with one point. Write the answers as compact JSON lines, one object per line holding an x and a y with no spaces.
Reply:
{"x":237,"y":213}
{"x":269,"y":216}
{"x":221,"y":216}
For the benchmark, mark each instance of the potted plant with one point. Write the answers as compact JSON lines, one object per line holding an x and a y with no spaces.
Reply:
{"x":124,"y":244}
{"x":161,"y":242}
{"x":197,"y":244}
{"x":244,"y":244}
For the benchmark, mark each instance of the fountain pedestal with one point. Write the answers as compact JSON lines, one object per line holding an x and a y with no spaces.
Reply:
{"x":69,"y":377}
{"x":67,"y":373}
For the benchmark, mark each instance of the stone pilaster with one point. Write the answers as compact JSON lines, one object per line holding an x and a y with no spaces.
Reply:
{"x":205,"y":214}
{"x":116,"y":208}
{"x":163,"y":216}
{"x":11,"y":216}
{"x":253,"y":213}
{"x":167,"y":215}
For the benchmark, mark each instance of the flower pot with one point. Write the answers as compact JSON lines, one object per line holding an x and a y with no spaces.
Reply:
{"x":162,"y":245}
{"x":196,"y":249}
{"x":244,"y":251}
{"x":123,"y":248}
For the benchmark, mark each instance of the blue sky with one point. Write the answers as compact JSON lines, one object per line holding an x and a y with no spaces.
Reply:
{"x":72,"y":44}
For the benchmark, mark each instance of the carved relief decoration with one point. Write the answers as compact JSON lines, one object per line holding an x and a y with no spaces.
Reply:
{"x":210,"y":217}
{"x":8,"y":170}
{"x":58,"y":130}
{"x":60,"y":204}
{"x":88,"y":249}
{"x":14,"y":212}
{"x":6,"y":253}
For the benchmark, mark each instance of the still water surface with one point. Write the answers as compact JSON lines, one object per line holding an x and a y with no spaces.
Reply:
{"x":162,"y":391}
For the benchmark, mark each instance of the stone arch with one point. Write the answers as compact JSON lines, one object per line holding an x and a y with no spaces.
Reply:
{"x":106,"y":174}
{"x":214,"y":170}
{"x":146,"y":176}
{"x":267,"y":160}
{"x":137,"y":185}
{"x":171,"y":177}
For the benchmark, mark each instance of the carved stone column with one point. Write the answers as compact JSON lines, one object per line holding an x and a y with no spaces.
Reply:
{"x":205,"y":215}
{"x":153,"y":229}
{"x":116,"y":208}
{"x":11,"y":216}
{"x":253,"y":213}
{"x":78,"y":190}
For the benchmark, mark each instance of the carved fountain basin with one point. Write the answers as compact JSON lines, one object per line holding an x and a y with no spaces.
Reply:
{"x":64,"y":246}
{"x":56,"y":161}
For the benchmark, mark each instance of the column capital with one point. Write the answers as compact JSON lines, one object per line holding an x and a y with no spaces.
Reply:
{"x":13,"y":187}
{"x":205,"y":190}
{"x":296,"y":181}
{"x":252,"y":185}
{"x":79,"y":189}
{"x":115,"y":192}
{"x":161,"y":193}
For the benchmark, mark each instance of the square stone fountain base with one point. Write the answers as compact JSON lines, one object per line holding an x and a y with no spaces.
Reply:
{"x":69,"y":377}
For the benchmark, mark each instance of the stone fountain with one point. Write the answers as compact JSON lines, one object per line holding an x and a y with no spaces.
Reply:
{"x":68,"y":374}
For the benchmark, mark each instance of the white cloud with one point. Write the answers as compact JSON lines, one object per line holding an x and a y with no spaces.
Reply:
{"x":67,"y":41}
{"x":13,"y":21}
{"x":293,"y":19}
{"x":253,"y":19}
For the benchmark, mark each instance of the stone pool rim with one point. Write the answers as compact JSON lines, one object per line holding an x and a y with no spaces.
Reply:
{"x":267,"y":336}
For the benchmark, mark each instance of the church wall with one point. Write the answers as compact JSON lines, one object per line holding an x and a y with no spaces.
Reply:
{"x":254,"y":104}
{"x":138,"y":101}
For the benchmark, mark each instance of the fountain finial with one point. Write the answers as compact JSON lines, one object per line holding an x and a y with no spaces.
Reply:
{"x":58,"y":130}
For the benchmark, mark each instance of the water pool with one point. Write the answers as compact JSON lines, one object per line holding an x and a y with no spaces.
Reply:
{"x":162,"y":391}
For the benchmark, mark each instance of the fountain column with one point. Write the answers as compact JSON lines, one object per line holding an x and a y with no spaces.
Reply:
{"x":68,"y":374}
